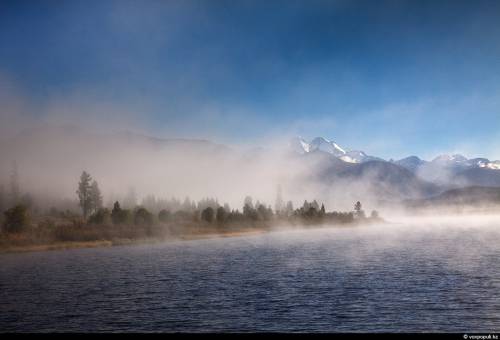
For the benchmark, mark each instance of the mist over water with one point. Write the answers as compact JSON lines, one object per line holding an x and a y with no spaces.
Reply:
{"x":412,"y":275}
{"x":51,"y":158}
{"x":253,"y":166}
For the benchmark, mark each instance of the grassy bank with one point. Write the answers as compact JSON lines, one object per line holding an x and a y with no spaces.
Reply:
{"x":46,"y":233}
{"x":25,"y":243}
{"x":58,"y":235}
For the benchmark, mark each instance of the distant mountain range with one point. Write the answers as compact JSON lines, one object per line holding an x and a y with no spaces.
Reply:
{"x":412,"y":163}
{"x":444,"y":170}
{"x":56,"y":155}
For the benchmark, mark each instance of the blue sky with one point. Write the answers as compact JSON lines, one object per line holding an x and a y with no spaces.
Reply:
{"x":392,"y":78}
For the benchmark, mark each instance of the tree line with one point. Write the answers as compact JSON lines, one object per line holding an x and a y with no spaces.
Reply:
{"x":207,"y":211}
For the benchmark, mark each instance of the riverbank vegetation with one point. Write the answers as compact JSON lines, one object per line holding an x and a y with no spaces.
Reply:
{"x":23,"y":225}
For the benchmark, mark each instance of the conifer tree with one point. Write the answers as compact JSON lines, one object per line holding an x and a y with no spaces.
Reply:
{"x":95,"y":197}
{"x":221,"y":215}
{"x":208,"y":214}
{"x":84,"y":193}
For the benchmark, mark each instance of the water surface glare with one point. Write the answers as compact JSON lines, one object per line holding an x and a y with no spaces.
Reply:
{"x":402,"y":277}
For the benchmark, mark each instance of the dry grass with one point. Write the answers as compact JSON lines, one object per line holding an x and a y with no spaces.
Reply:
{"x":51,"y":234}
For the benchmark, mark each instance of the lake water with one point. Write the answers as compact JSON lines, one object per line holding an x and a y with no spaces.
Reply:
{"x":425,"y":276}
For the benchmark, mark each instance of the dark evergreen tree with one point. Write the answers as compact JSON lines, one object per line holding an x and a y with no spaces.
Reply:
{"x":115,"y":213}
{"x":95,"y":197}
{"x":358,"y":210}
{"x":248,"y":202}
{"x":119,"y":215}
{"x":208,"y":202}
{"x":221,"y":215}
{"x":315,"y":205}
{"x":322,"y":211}
{"x":311,"y":212}
{"x":248,"y":210}
{"x":208,"y":214}
{"x":84,"y":193}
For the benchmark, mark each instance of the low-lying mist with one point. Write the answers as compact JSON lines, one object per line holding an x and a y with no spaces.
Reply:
{"x":50,"y":159}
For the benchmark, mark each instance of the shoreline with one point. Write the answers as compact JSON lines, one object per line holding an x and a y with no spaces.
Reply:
{"x":66,"y":245}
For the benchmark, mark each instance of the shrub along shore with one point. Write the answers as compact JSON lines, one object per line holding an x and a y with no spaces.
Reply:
{"x":22,"y":231}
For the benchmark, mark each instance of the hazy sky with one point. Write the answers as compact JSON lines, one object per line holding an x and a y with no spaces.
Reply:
{"x":392,"y":78}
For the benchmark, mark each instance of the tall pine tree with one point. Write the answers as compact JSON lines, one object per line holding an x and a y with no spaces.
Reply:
{"x":95,"y":197}
{"x":84,"y":193}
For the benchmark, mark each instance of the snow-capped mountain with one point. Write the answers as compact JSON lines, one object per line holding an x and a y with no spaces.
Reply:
{"x":301,"y":146}
{"x":454,"y":169}
{"x":459,"y":162}
{"x":445,"y":169}
{"x":322,"y":144}
{"x":453,"y":163}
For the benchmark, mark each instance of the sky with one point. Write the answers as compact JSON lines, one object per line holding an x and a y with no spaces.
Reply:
{"x":392,"y":78}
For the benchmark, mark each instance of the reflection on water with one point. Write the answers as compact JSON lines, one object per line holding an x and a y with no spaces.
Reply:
{"x":409,"y":277}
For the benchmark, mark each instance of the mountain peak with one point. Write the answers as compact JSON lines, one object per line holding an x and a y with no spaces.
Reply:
{"x":301,"y":146}
{"x":323,"y":144}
